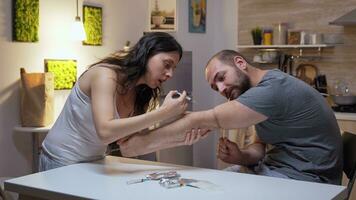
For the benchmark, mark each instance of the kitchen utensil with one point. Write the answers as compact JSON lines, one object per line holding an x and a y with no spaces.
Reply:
{"x":333,"y":38}
{"x":293,"y":37}
{"x":280,"y":33}
{"x":344,"y":100}
{"x":316,"y":38}
{"x":307,"y":73}
{"x":347,"y":109}
{"x":341,"y":88}
{"x":321,"y":84}
{"x":285,"y":63}
{"x":290,"y":64}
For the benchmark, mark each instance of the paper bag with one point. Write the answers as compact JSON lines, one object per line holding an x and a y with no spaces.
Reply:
{"x":37,"y":99}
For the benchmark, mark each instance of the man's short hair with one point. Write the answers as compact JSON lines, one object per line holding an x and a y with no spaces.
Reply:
{"x":227,"y":57}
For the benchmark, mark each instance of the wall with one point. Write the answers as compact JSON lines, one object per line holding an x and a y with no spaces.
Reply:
{"x":122,"y":20}
{"x":337,"y":63}
{"x":221,"y":34}
{"x":54,"y":42}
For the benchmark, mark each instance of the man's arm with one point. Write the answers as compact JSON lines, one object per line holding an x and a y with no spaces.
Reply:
{"x":229,"y":115}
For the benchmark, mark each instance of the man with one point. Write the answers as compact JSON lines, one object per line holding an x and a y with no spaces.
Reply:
{"x":287,"y":113}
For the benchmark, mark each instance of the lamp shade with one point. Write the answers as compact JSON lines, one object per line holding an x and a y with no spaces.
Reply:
{"x":78,"y":31}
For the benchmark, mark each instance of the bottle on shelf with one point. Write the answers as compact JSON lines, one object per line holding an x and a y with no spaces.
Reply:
{"x":280,"y":33}
{"x":267,"y":36}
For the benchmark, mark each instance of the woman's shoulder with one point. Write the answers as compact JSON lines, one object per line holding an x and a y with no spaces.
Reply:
{"x":102,"y":71}
{"x":98,"y":75}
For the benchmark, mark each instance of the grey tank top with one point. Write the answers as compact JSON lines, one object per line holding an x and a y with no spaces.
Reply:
{"x":73,"y":137}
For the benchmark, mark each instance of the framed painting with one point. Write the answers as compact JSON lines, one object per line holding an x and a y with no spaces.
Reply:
{"x":197,"y":16}
{"x":162,"y":15}
{"x":64,"y":72}
{"x":25,"y":20}
{"x":92,"y":19}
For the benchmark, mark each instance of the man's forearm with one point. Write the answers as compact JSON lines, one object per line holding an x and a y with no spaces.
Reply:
{"x":204,"y":119}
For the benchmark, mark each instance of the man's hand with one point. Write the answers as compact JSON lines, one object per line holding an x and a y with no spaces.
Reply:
{"x":228,"y":151}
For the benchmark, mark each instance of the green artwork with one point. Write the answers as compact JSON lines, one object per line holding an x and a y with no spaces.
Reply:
{"x":64,"y":71}
{"x":25,"y":20}
{"x":92,"y":18}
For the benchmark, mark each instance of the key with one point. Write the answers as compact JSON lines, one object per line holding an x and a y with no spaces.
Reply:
{"x":137,"y":181}
{"x":160,"y":175}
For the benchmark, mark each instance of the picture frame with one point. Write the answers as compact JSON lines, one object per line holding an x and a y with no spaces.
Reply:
{"x":197,"y":16}
{"x":162,"y":15}
{"x":64,"y":72}
{"x":93,"y":25}
{"x":25,"y":20}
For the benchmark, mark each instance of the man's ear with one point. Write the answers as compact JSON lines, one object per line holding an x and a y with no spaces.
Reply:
{"x":240,"y":63}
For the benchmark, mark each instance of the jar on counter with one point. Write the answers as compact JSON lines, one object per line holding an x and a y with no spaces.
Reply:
{"x":267,"y":36}
{"x":280,"y":31}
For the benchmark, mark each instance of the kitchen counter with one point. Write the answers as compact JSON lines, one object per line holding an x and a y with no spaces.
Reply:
{"x":345,"y":116}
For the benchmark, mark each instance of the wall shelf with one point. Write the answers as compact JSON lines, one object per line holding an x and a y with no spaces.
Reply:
{"x":300,"y":47}
{"x":287,"y":46}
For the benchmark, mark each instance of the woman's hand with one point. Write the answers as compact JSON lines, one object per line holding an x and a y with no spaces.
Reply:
{"x":132,"y":146}
{"x":175,"y":106}
{"x":194,"y":135}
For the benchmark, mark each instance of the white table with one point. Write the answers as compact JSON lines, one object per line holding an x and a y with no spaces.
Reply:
{"x":34,"y":131}
{"x":106,"y":179}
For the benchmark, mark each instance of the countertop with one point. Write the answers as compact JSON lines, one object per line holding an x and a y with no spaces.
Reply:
{"x":345,"y":116}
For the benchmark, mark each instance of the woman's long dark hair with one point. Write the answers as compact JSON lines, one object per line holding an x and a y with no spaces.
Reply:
{"x":131,"y":65}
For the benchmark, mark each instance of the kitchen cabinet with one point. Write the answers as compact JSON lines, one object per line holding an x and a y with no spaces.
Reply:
{"x":347,"y":122}
{"x":347,"y":125}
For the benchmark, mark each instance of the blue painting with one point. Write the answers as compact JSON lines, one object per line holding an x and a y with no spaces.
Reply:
{"x":197,"y":16}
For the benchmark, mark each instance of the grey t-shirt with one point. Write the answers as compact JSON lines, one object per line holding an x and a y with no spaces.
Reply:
{"x":301,"y":127}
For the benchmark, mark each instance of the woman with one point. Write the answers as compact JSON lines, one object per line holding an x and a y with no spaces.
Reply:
{"x":110,"y":100}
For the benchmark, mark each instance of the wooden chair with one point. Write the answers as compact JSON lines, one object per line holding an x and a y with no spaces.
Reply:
{"x":6,"y":195}
{"x":2,"y":194}
{"x":349,"y":143}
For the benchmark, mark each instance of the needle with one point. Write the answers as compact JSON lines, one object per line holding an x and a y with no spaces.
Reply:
{"x":177,"y":94}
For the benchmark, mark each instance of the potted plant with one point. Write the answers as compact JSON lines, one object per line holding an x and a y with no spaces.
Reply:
{"x":196,"y":14}
{"x":256,"y":35}
{"x":157,"y":17}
